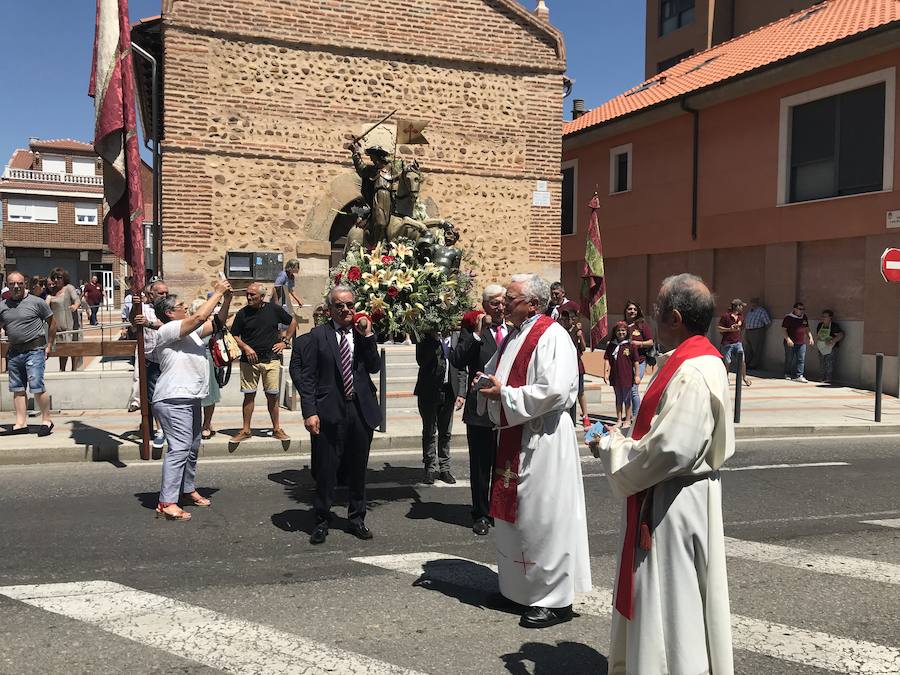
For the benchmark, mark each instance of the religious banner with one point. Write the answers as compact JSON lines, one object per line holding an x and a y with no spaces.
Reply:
{"x":409,"y":132}
{"x":115,"y":134}
{"x":593,"y":281}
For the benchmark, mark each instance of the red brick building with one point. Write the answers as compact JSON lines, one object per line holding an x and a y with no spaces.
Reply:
{"x":767,"y":166}
{"x":260,"y":98}
{"x":52,"y":196}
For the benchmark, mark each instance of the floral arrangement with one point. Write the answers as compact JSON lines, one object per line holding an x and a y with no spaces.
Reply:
{"x":401,"y":294}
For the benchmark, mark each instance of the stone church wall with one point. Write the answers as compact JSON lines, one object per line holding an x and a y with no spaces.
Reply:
{"x":260,"y":98}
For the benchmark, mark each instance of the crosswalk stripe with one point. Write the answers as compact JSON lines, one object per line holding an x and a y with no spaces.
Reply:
{"x":788,"y":643}
{"x":202,"y":635}
{"x":857,"y":568}
{"x":891,"y":522}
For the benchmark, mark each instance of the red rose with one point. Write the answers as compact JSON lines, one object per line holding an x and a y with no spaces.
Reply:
{"x":338,"y":277}
{"x":353,"y":274}
{"x":387,"y":259}
{"x":377,"y":315}
{"x":393,"y":291}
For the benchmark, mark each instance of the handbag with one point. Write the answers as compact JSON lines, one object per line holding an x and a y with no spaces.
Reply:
{"x":223,"y":350}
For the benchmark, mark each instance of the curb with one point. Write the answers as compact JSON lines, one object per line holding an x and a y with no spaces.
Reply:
{"x":261,"y":446}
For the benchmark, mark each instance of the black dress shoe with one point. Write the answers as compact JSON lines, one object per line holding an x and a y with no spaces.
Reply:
{"x":319,"y":534}
{"x":447,"y":477}
{"x":481,"y":526}
{"x":544,"y":617}
{"x":429,"y":477}
{"x":360,"y":531}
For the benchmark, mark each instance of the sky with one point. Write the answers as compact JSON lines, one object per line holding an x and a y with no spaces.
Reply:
{"x":48,"y":46}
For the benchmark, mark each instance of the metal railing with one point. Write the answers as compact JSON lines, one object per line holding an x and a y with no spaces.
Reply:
{"x":48,"y":177}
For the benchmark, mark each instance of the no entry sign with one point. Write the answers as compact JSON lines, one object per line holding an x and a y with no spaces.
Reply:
{"x":890,"y":265}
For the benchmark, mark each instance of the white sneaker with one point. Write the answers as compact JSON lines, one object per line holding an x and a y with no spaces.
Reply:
{"x":788,"y":377}
{"x":801,"y":379}
{"x":159,"y":440}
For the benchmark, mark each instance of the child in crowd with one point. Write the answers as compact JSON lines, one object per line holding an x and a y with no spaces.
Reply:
{"x":623,"y":371}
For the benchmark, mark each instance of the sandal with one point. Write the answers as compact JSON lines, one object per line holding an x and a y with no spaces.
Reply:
{"x":197,"y":499}
{"x":181,"y":515}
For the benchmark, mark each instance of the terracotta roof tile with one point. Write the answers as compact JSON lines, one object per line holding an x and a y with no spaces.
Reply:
{"x":21,"y":159}
{"x":804,"y":31}
{"x":61,"y":144}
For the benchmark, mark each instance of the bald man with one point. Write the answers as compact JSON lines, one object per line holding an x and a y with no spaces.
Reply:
{"x":671,"y":602}
{"x":256,"y":329}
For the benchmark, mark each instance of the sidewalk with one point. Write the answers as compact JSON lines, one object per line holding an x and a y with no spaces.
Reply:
{"x":771,"y":408}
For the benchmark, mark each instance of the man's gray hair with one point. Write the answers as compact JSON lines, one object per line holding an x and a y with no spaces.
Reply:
{"x":163,"y":305}
{"x":490,"y":291}
{"x":689,"y":295}
{"x":339,"y":289}
{"x":534,"y":288}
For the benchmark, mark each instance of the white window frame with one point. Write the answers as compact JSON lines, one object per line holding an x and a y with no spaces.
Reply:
{"x":52,"y":158}
{"x":87,"y":162}
{"x":889,"y":77}
{"x":29,"y":215}
{"x":85,"y":206}
{"x":625,"y":149}
{"x":570,"y":164}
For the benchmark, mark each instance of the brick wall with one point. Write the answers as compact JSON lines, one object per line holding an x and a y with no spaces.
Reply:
{"x":261,"y":97}
{"x":66,"y":230}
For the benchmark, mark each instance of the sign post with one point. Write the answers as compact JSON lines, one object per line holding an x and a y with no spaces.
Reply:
{"x":890,"y":265}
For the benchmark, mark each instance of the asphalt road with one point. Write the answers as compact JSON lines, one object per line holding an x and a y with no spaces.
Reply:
{"x":813,"y":587}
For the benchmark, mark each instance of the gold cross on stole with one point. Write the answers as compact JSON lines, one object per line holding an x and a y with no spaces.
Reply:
{"x":507,"y":475}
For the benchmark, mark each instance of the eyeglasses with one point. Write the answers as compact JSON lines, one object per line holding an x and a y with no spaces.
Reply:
{"x":342,"y":305}
{"x":510,"y":299}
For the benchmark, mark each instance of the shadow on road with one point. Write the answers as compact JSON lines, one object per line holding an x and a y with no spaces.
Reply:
{"x":563,"y":658}
{"x":104,"y":445}
{"x":452,"y":514}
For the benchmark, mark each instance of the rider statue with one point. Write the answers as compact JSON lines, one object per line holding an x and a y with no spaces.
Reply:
{"x":377,"y":185}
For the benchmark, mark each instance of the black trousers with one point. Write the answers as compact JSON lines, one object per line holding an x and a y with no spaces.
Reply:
{"x":341,"y":449}
{"x":482,"y":448}
{"x":437,"y":421}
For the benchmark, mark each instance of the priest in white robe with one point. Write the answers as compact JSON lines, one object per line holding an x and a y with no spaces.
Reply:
{"x":537,"y":495}
{"x":671,"y":613}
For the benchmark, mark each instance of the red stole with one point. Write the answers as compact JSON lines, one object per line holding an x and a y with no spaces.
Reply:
{"x":504,"y":487}
{"x":637,"y":518}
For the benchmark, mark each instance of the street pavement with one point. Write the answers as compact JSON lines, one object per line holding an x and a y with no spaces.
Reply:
{"x":91,"y":582}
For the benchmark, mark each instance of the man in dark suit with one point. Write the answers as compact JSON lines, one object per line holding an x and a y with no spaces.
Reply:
{"x":440,"y":389}
{"x":477,"y":344}
{"x":340,"y":411}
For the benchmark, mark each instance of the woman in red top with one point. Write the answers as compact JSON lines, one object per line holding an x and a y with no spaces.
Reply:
{"x":624,"y":372}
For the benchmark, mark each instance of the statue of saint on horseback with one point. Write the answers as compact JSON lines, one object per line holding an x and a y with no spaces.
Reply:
{"x":390,"y":191}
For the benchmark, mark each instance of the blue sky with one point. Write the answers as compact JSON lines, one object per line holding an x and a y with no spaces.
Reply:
{"x":46,"y":77}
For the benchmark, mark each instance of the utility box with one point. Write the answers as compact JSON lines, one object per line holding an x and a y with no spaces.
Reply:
{"x":253,"y":265}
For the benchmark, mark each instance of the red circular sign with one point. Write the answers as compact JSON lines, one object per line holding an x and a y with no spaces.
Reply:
{"x":890,"y":265}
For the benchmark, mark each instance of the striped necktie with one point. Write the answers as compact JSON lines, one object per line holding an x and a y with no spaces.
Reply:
{"x":346,"y":364}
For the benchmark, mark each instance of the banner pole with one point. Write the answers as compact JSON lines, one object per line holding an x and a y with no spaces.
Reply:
{"x":141,"y":363}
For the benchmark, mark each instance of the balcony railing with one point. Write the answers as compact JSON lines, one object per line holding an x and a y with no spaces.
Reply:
{"x":47,"y":177}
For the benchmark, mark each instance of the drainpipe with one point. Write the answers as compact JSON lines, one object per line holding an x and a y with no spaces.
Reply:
{"x":157,"y":157}
{"x":695,"y":188}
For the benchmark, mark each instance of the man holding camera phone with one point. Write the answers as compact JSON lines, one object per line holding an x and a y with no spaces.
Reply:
{"x":339,"y":407}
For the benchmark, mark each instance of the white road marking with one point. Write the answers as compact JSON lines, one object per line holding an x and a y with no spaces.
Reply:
{"x":756,"y":467}
{"x":202,"y":635}
{"x":795,"y":519}
{"x":891,"y":522}
{"x":788,"y":643}
{"x":856,"y":568}
{"x":833,"y":437}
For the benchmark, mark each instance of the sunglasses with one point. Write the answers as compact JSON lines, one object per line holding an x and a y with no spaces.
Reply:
{"x":342,"y":305}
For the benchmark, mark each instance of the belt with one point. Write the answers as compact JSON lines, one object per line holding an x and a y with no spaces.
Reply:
{"x":39,"y":341}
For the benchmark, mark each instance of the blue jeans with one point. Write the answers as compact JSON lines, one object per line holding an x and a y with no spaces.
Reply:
{"x":27,"y":368}
{"x":635,"y":396}
{"x":794,"y":360}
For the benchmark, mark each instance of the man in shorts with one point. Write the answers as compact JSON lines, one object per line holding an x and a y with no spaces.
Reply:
{"x":256,"y":329}
{"x":28,"y":322}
